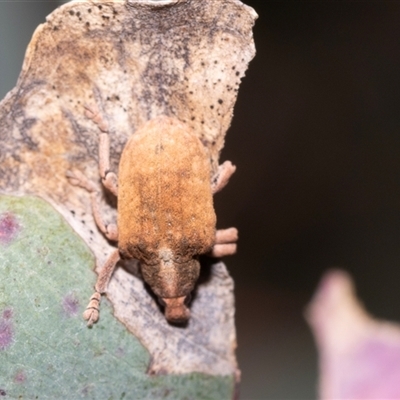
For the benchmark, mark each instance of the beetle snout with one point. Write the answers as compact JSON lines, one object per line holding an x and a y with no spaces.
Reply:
{"x":176,"y":310}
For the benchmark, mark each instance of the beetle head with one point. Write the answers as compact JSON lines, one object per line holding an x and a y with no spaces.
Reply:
{"x":172,"y":279}
{"x":176,"y":310}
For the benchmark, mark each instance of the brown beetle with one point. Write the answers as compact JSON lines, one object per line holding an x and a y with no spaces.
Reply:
{"x":166,"y":217}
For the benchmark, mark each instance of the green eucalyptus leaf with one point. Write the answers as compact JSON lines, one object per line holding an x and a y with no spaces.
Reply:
{"x":46,"y":349}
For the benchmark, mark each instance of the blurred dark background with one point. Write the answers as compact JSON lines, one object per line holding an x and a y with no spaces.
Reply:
{"x":316,"y":140}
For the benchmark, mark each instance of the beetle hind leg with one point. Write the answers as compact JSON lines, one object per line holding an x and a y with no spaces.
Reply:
{"x":225,"y":242}
{"x":225,"y":239}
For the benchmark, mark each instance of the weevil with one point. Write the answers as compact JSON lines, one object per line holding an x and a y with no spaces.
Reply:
{"x":165,"y":213}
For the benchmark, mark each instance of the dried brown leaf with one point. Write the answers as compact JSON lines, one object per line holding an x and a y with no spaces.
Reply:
{"x":135,"y":60}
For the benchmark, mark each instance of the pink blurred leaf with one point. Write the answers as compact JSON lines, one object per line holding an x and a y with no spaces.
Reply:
{"x":359,"y":356}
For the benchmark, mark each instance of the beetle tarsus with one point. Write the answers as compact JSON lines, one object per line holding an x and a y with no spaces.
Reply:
{"x":91,"y":314}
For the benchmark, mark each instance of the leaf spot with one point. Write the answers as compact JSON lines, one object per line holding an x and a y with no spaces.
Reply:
{"x":6,"y":329}
{"x":9,"y":228}
{"x":70,"y":305}
{"x":20,"y":377}
{"x":120,"y":352}
{"x":7,"y":313}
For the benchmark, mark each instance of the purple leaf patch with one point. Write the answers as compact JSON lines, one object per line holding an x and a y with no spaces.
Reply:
{"x":9,"y":227}
{"x":6,"y":329}
{"x":70,"y":305}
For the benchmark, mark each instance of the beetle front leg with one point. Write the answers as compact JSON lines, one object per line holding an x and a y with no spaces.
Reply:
{"x":78,"y":179}
{"x":91,"y":314}
{"x":225,"y":242}
{"x":109,"y":179}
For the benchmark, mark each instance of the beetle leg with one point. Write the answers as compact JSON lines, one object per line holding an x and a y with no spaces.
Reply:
{"x":91,"y":314}
{"x":225,"y":242}
{"x":109,"y":179}
{"x":78,"y":179}
{"x":224,"y":236}
{"x":221,"y":178}
{"x":225,"y":239}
